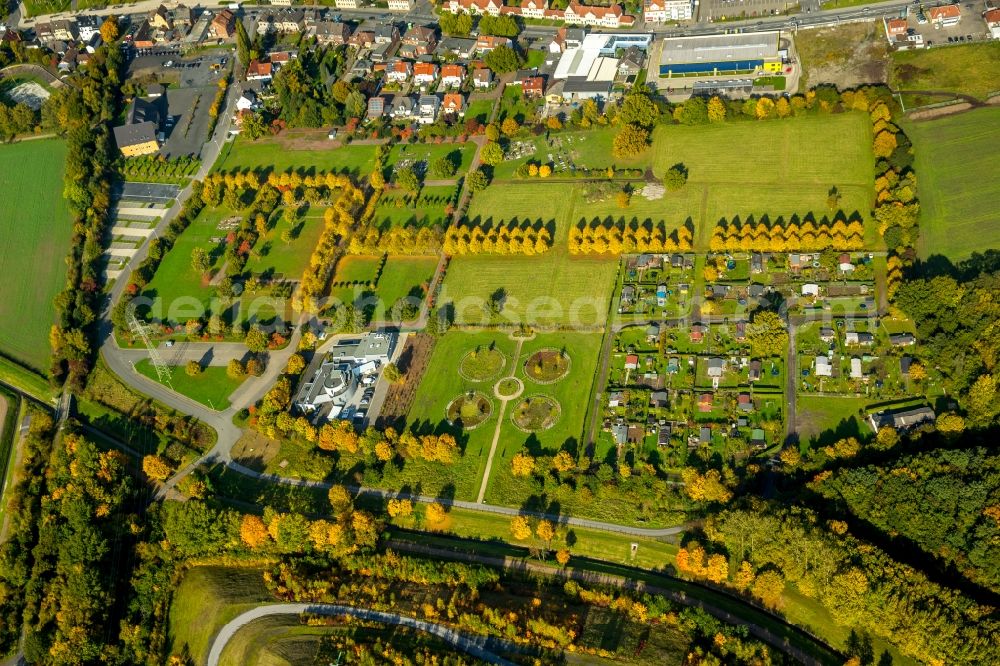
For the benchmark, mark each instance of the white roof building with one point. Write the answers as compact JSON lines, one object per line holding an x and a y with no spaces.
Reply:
{"x":822,"y":367}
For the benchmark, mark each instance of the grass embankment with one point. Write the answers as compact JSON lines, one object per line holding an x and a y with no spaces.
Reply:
{"x":967,"y":69}
{"x":35,"y":229}
{"x":212,"y":387}
{"x":958,"y":210}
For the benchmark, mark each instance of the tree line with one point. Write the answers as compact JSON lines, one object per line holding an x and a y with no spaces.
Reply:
{"x":792,"y":235}
{"x":615,"y":237}
{"x":513,"y":237}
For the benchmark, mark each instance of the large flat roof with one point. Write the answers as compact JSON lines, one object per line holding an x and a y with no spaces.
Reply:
{"x":719,"y":48}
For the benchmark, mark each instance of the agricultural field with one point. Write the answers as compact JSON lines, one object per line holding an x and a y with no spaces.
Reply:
{"x":211,"y":388}
{"x":965,"y":69}
{"x":35,"y":228}
{"x":545,"y":289}
{"x":279,"y":154}
{"x":958,"y":211}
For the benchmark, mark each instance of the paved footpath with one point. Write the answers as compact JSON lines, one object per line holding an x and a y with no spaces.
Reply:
{"x":476,"y":646}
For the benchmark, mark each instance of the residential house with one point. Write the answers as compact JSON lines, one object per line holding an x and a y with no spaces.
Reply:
{"x":266,"y":25}
{"x":744,"y":402}
{"x":400,"y":5}
{"x":697,"y":333}
{"x":827,"y":334}
{"x":755,"y":290}
{"x":386,"y":33}
{"x":491,"y":7}
{"x":421,"y":40}
{"x":64,"y":30}
{"x":945,"y":16}
{"x":661,"y":295}
{"x":159,"y":19}
{"x":904,"y":420}
{"x":332,"y":33}
{"x":427,"y":109}
{"x":661,"y":11}
{"x":259,"y":71}
{"x":486,"y":43}
{"x":895,"y":28}
{"x":138,"y":136}
{"x":398,"y":71}
{"x":705,"y":402}
{"x":223,"y":26}
{"x":533,"y":86}
{"x":822,"y":367}
{"x":143,"y":37}
{"x":347,"y":4}
{"x":810,"y":289}
{"x":363,"y":39}
{"x":361,"y":68}
{"x":652,"y":333}
{"x":620,"y":432}
{"x":753,"y":371}
{"x":902,"y":339}
{"x":402,"y":107}
{"x":858,"y":338}
{"x":757,"y":439}
{"x":992,"y":18}
{"x":631,"y":361}
{"x":659,"y":399}
{"x":452,"y":76}
{"x":856,"y":372}
{"x":616,"y":399}
{"x":424,"y":73}
{"x":289,"y":20}
{"x":716,"y":367}
{"x":628,"y":295}
{"x":88,"y":25}
{"x":453,"y":104}
{"x":281,"y":58}
{"x":631,"y":62}
{"x":603,"y":17}
{"x":797,"y":262}
{"x":69,"y":60}
{"x":456,"y":46}
{"x":376,"y":107}
{"x":248,"y":101}
{"x":718,"y":291}
{"x":845,"y":264}
{"x":155,"y":90}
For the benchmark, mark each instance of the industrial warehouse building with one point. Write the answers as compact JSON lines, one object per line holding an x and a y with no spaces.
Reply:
{"x":715,"y":55}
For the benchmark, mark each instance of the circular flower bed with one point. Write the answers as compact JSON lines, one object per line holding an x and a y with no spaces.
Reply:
{"x":508,"y":387}
{"x":547,"y":366}
{"x":536,"y":413}
{"x":481,"y":364}
{"x":469,"y":410}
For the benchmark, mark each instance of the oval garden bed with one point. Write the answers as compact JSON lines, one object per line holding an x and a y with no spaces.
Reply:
{"x":469,"y":409}
{"x":536,"y":413}
{"x":481,"y":364}
{"x":546,"y":366}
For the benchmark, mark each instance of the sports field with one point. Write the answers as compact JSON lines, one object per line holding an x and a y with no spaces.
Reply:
{"x":35,"y":228}
{"x":553,"y":288}
{"x":970,"y":69}
{"x":958,"y":198}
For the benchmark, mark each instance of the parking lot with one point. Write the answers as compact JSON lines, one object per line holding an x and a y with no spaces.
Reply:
{"x":716,"y":10}
{"x":970,"y":28}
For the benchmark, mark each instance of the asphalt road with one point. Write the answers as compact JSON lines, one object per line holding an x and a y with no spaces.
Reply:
{"x":476,"y":646}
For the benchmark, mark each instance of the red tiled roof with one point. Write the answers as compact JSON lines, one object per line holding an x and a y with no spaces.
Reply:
{"x":948,"y":11}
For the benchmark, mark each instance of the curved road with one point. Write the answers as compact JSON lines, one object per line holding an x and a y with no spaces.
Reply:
{"x":472,"y":645}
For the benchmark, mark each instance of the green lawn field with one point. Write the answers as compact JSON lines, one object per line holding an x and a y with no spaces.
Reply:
{"x":827,"y":419}
{"x":35,"y":228}
{"x":954,"y":155}
{"x":359,"y":160}
{"x":969,"y":69}
{"x":395,"y":210}
{"x":554,"y":288}
{"x":403,"y":276}
{"x":273,"y":257}
{"x":211,"y":388}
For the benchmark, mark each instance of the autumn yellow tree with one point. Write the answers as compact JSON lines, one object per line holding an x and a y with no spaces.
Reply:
{"x":520,"y":527}
{"x":253,"y":532}
{"x":522,"y":464}
{"x":384,"y":451}
{"x":544,"y":171}
{"x":716,"y":110}
{"x":744,"y":575}
{"x":156,"y":467}
{"x":562,"y":556}
{"x":769,"y":587}
{"x":706,"y":487}
{"x":884,"y":144}
{"x":563,"y":462}
{"x":546,"y":531}
{"x":717,"y":569}
{"x":399,"y":507}
{"x":340,"y":499}
{"x":435,"y":515}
